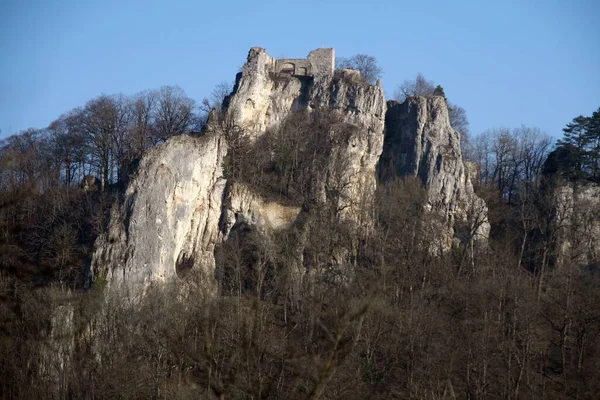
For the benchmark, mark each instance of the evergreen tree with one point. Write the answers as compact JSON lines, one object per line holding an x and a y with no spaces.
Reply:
{"x":593,"y":140}
{"x":439,"y":91}
{"x":580,"y":148}
{"x":576,"y":141}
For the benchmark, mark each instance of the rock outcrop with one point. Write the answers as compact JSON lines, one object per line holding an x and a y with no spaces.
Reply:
{"x":262,"y":99}
{"x":243,"y":206}
{"x":169,"y":219}
{"x":179,"y":205}
{"x":420,"y":142}
{"x":577,"y":222}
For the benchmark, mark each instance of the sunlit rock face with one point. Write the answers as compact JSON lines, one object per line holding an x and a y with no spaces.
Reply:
{"x":263,"y":98}
{"x":179,"y":205}
{"x":168,"y":221}
{"x":420,"y":142}
{"x":244,"y":206}
{"x":577,"y":223}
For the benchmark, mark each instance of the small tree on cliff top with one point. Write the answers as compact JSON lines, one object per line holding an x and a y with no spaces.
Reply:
{"x":367,"y":65}
{"x":580,"y":148}
{"x":419,"y":86}
{"x":415,"y":87}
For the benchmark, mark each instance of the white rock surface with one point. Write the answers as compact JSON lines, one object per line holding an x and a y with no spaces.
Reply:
{"x":179,"y":206}
{"x":169,"y":218}
{"x":262,"y":100}
{"x":244,"y":206}
{"x":419,"y":141}
{"x":577,"y":222}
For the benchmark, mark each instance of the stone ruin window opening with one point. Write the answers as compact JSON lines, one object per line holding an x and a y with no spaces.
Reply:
{"x":319,"y":63}
{"x":287,"y":69}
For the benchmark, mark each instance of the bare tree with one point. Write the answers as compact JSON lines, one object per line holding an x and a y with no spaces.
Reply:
{"x":173,"y":113}
{"x":103,"y":121}
{"x":215,"y":100}
{"x":458,"y":119}
{"x":534,"y":147}
{"x":141,"y":110}
{"x":65,"y":141}
{"x":367,"y":65}
{"x":121,"y":141}
{"x":510,"y":158}
{"x":26,"y":161}
{"x":415,"y":87}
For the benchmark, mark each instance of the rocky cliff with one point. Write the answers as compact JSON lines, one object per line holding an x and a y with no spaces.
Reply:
{"x":168,"y":221}
{"x":263,"y":98}
{"x":420,"y":142}
{"x":180,"y":205}
{"x":577,"y":222}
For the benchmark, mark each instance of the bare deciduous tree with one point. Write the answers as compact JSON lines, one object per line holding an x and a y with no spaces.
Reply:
{"x":459,"y":120}
{"x":215,"y":100}
{"x":173,"y":114}
{"x":141,"y":109}
{"x":415,"y":87}
{"x":509,"y":157}
{"x":370,"y":71}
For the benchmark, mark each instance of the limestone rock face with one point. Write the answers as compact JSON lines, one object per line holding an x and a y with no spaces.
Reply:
{"x":242,"y":205}
{"x":260,"y":99}
{"x":362,"y":106}
{"x":577,"y":220}
{"x":179,"y":206}
{"x":420,"y":142}
{"x":263,"y":98}
{"x":169,"y":219}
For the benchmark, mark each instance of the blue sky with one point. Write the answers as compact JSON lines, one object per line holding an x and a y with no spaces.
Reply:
{"x":506,"y":62}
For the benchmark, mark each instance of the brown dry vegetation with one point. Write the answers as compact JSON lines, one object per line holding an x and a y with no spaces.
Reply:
{"x":317,"y":311}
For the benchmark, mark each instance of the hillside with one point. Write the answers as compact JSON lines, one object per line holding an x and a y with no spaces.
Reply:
{"x":306,"y":239}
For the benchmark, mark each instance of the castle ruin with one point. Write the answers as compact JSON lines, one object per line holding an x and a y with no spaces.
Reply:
{"x":320,"y":62}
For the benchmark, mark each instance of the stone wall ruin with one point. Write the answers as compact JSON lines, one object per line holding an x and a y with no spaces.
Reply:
{"x":319,"y":63}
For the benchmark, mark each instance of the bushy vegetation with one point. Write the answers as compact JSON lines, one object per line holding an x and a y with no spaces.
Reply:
{"x":295,"y":162}
{"x":393,"y":320}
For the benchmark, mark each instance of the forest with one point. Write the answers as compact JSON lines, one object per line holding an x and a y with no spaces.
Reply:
{"x":516,"y":319}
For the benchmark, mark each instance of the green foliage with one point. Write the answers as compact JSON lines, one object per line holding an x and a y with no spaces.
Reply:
{"x":439,"y":91}
{"x":566,"y":160}
{"x":578,"y":154}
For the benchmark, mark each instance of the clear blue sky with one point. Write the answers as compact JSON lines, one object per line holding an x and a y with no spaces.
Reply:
{"x":506,"y":62}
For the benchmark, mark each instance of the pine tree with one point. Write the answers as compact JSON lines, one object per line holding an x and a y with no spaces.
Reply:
{"x":576,"y":140}
{"x":439,"y":91}
{"x":592,"y":138}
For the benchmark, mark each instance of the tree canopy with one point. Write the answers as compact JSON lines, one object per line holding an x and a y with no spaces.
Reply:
{"x":578,"y":153}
